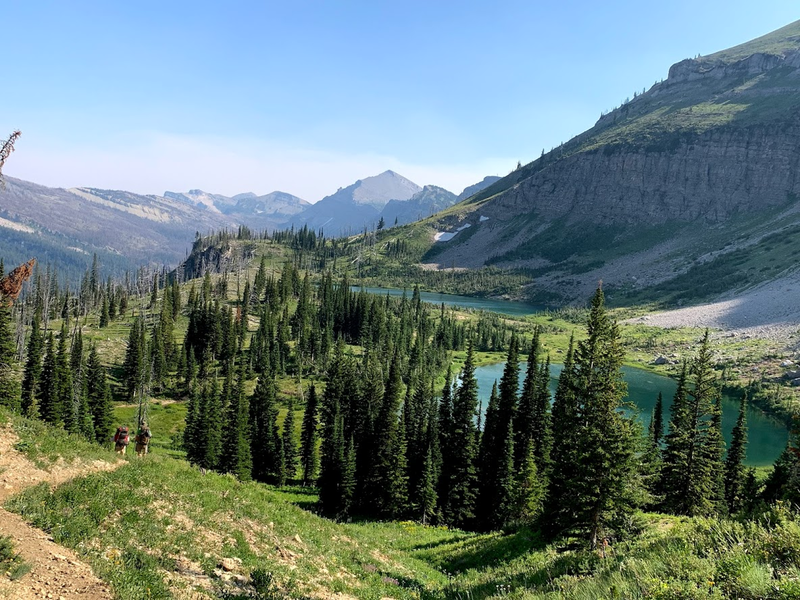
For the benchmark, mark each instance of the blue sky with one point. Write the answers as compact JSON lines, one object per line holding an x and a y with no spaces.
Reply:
{"x":307,"y":96}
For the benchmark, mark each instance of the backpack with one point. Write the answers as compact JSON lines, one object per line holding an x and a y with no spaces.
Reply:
{"x":122,"y":436}
{"x":144,"y":436}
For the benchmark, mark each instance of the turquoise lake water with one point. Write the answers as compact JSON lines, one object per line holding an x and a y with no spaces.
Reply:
{"x":505,"y":307}
{"x":767,"y":437}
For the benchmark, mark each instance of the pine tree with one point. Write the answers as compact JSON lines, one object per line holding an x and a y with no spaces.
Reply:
{"x":289,"y":445}
{"x":692,"y":479}
{"x":65,"y":400}
{"x":348,"y":481}
{"x":98,"y":396}
{"x":444,"y":430}
{"x":332,"y":464}
{"x":735,"y":472}
{"x":459,"y":504}
{"x":236,"y":457}
{"x":713,"y":453}
{"x":426,"y":492}
{"x":211,"y":425}
{"x":385,"y":485}
{"x":565,"y":452}
{"x":104,"y":316}
{"x":529,"y":491}
{"x":603,"y":487}
{"x":266,"y":440}
{"x":309,"y":459}
{"x":49,"y":408}
{"x":657,"y":421}
{"x":9,"y":388}
{"x":33,"y":367}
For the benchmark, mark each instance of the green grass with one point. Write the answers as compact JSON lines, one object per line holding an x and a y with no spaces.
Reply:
{"x":143,"y":525}
{"x":157,"y":527}
{"x":166,"y":420}
{"x":157,"y":516}
{"x":45,"y":445}
{"x":11,"y":564}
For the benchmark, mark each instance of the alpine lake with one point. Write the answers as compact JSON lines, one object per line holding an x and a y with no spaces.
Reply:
{"x":766,"y":436}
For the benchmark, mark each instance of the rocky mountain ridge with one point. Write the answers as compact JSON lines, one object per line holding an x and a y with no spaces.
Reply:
{"x":680,"y":178}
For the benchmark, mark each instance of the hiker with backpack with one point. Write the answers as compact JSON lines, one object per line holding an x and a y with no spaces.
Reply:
{"x":142,"y":440}
{"x":121,"y":440}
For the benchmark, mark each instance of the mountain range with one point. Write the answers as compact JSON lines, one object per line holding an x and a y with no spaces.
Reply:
{"x":67,"y":227}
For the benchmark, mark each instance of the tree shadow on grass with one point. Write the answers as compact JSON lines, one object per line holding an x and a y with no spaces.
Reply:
{"x":489,"y":551}
{"x":540,"y":578}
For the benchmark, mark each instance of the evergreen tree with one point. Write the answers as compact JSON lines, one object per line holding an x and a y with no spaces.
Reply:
{"x":693,"y":469}
{"x":33,"y":367}
{"x":211,"y":425}
{"x":266,"y":440}
{"x":309,"y":459}
{"x":236,"y":457}
{"x":387,"y":481}
{"x":735,"y":472}
{"x":331,"y":499}
{"x":713,"y":453}
{"x":459,"y":504}
{"x":657,"y":421}
{"x":565,"y":452}
{"x":603,"y":487}
{"x":104,"y":316}
{"x":426,"y":492}
{"x":529,"y":491}
{"x":98,"y":396}
{"x":49,"y":408}
{"x":444,"y":429}
{"x":9,"y":388}
{"x":289,"y":445}
{"x":65,"y":400}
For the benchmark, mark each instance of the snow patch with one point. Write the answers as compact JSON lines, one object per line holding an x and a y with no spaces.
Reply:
{"x":482,"y":219}
{"x":446,"y":236}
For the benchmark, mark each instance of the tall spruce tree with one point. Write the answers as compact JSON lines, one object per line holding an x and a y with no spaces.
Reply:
{"x":236,"y":457}
{"x":49,"y":408}
{"x":604,"y":487}
{"x":65,"y":398}
{"x":528,"y":493}
{"x":735,"y":472}
{"x":565,"y":452}
{"x":9,"y":388}
{"x":98,"y":395}
{"x":657,"y":421}
{"x":289,"y":445}
{"x":309,"y":459}
{"x":693,"y":467}
{"x":459,"y":504}
{"x":33,"y":367}
{"x":266,"y":440}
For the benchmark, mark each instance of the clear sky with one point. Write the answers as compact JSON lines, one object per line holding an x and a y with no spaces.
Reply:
{"x":307,"y":96}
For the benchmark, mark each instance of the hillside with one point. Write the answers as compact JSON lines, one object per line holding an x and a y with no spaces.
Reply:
{"x":126,"y":230}
{"x":158,"y":528}
{"x":686,"y":191}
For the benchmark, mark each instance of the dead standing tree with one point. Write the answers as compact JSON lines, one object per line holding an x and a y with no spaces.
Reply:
{"x":5,"y":152}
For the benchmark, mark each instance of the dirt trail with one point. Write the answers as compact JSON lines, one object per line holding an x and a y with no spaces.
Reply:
{"x":56,"y":571}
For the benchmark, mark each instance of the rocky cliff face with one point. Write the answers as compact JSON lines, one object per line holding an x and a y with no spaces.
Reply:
{"x":713,"y":148}
{"x":710,"y":178}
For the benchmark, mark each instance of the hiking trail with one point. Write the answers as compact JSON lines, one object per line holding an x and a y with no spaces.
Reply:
{"x":56,"y":572}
